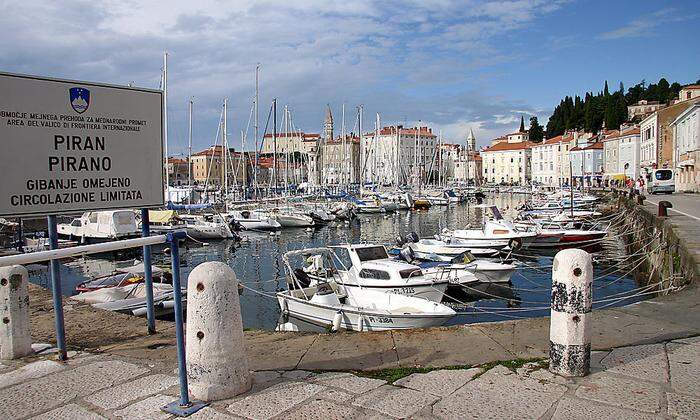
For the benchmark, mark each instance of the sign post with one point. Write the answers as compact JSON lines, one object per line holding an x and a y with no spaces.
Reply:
{"x":70,"y":147}
{"x":56,"y":292}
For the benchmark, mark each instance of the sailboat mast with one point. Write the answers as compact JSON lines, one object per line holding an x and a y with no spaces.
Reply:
{"x":189,"y":152}
{"x":359,"y":126}
{"x":165,"y":122}
{"x":257,"y":100}
{"x":342,"y":135}
{"x":225,"y":142}
{"x":274,"y":141}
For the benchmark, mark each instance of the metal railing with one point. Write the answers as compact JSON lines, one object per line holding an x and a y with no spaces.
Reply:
{"x":184,"y":406}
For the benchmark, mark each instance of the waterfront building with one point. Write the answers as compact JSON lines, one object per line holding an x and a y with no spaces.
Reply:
{"x":177,"y":171}
{"x":208,"y":166}
{"x":621,"y":154}
{"x":448,"y":159}
{"x":657,"y":150}
{"x":341,"y":160}
{"x":642,"y":109}
{"x":289,"y":143}
{"x":507,"y":160}
{"x":468,"y":168}
{"x":686,"y":140}
{"x":587,"y":161}
{"x":397,"y":156}
{"x":550,"y":160}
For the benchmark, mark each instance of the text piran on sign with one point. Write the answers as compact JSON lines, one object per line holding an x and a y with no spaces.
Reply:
{"x":69,"y":146}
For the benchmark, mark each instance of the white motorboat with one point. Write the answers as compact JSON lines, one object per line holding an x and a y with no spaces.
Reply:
{"x":493,"y":229}
{"x":373,"y":206}
{"x":289,"y":217}
{"x":432,"y":249}
{"x":209,"y":226}
{"x":488,"y":271}
{"x":485,"y":271}
{"x":253,"y":220}
{"x":320,"y":214}
{"x":329,"y":304}
{"x":367,"y":267}
{"x":101,"y":226}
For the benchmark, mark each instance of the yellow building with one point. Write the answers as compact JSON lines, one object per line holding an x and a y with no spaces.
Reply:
{"x":209,"y":165}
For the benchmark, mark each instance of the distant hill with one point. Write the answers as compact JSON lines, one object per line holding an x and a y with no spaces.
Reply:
{"x":610,"y":109}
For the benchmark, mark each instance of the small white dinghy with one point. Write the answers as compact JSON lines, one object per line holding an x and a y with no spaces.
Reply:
{"x":328,"y":304}
{"x":131,"y":299}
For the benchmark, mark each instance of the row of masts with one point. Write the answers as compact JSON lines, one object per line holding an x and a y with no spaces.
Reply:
{"x":343,"y":170}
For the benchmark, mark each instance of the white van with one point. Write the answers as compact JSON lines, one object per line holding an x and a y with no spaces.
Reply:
{"x":661,"y":181}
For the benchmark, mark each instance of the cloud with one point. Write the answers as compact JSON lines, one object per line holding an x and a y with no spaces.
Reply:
{"x":407,"y":60}
{"x":643,"y":26}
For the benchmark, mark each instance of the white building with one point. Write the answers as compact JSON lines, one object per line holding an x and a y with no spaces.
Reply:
{"x":397,"y":155}
{"x":468,"y":168}
{"x":508,"y":161}
{"x":648,"y":146}
{"x":686,"y":145}
{"x":550,"y":160}
{"x":688,"y":92}
{"x":621,"y":157}
{"x":587,"y":163}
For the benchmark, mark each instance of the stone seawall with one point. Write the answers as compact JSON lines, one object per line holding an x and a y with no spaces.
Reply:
{"x":670,"y":245}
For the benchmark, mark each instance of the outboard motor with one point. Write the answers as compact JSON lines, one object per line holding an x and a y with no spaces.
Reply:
{"x":412,"y":237}
{"x":407,"y":254}
{"x":400,"y":240}
{"x":515,"y":244}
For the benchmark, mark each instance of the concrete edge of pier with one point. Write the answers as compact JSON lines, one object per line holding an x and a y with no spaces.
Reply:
{"x":664,"y":318}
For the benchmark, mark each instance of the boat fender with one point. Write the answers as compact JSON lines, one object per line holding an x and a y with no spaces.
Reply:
{"x":412,"y":237}
{"x":361,"y":323}
{"x":285,"y":307}
{"x":515,"y":244}
{"x":337,"y":318}
{"x":139,"y":311}
{"x":400,"y":241}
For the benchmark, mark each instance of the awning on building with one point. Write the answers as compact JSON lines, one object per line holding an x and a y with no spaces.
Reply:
{"x":687,"y":162}
{"x":613,"y":177}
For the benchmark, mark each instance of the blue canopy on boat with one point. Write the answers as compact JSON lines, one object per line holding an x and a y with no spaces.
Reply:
{"x":173,"y":206}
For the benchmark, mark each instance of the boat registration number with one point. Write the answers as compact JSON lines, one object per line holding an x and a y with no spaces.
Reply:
{"x":381,"y":319}
{"x":404,"y":291}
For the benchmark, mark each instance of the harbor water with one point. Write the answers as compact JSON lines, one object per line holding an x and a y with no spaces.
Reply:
{"x":257,"y":261}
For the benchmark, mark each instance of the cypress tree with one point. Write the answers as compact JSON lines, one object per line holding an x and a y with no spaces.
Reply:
{"x":536,"y":131}
{"x":522,"y":124}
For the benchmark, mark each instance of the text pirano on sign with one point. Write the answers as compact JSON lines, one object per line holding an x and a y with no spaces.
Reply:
{"x":77,"y":146}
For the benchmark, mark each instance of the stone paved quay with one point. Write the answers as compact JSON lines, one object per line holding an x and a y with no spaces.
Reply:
{"x":644,"y":381}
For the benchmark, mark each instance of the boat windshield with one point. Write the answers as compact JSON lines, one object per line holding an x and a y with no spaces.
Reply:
{"x":371,"y":253}
{"x":411,"y":272}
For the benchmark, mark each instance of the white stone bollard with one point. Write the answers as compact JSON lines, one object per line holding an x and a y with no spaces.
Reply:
{"x":569,"y":331}
{"x":15,"y":337}
{"x":217,"y":364}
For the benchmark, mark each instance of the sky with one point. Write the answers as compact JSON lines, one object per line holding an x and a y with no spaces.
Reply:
{"x":451,"y":65}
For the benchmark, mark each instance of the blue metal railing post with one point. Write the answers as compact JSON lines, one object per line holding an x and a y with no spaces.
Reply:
{"x":56,"y":291}
{"x":174,"y":239}
{"x":148,"y":275}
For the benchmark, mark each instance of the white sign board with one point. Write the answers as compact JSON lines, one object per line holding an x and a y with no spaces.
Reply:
{"x":67,"y":147}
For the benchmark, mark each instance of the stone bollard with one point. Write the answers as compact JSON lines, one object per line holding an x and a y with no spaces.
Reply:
{"x":15,"y":338}
{"x":569,"y":331}
{"x":217,"y":364}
